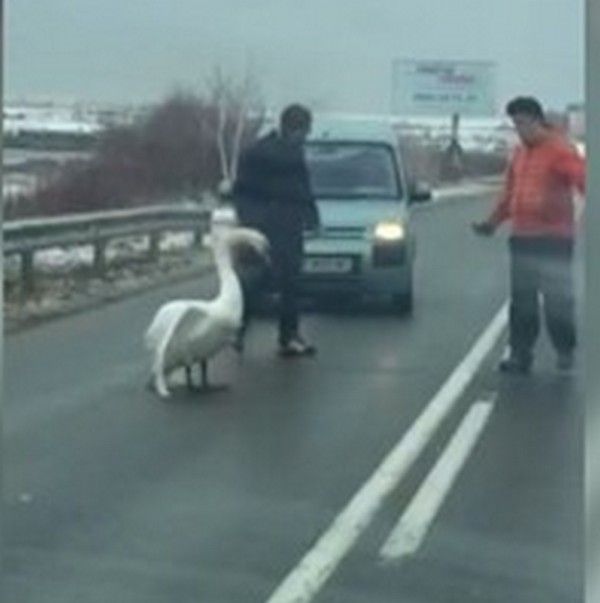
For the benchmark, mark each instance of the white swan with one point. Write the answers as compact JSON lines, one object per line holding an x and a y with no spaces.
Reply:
{"x":187,"y":332}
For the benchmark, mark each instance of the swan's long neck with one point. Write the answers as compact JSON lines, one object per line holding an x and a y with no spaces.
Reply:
{"x":230,"y":293}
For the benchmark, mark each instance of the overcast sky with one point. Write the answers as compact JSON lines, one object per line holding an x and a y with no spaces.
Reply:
{"x":332,"y":54}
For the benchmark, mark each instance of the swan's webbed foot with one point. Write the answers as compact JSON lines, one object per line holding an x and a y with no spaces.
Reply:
{"x":211,"y":388}
{"x":205,"y":387}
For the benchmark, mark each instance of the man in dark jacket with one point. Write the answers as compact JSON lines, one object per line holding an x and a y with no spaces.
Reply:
{"x":272,"y":193}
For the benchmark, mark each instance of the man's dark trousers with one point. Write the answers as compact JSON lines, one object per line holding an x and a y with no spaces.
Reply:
{"x":283,"y":276}
{"x":541,"y":273}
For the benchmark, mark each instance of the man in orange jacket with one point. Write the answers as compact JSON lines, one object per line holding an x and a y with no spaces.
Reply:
{"x":537,"y":198}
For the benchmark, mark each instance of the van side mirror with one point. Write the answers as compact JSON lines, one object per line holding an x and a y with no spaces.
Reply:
{"x":419,"y":192}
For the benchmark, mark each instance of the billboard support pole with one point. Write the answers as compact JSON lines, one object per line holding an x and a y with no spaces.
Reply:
{"x":453,"y":160}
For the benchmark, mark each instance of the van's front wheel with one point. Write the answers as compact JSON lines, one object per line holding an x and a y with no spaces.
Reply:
{"x":403,"y":303}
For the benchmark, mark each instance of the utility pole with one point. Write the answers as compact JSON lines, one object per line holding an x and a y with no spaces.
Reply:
{"x":2,"y":42}
{"x":453,"y":159}
{"x":591,"y":468}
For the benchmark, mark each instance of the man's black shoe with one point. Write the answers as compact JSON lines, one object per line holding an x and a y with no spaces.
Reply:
{"x":296,"y":347}
{"x":515,"y":365}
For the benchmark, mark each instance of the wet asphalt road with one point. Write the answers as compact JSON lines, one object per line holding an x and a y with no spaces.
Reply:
{"x":113,"y":495}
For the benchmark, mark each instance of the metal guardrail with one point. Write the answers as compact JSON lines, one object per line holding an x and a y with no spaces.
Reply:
{"x":26,"y":237}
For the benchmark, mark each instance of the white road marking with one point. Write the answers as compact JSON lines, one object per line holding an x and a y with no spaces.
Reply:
{"x":306,"y":579}
{"x":408,"y":535}
{"x":468,"y":190}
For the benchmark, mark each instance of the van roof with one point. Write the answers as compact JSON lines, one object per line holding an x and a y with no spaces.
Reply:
{"x":363,"y":130}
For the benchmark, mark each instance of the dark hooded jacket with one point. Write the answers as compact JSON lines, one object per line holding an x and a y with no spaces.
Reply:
{"x":272,"y":190}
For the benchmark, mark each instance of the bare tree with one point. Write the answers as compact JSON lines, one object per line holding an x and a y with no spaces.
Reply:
{"x":237,"y":106}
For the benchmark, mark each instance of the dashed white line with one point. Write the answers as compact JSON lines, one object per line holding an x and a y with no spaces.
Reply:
{"x":307,"y":578}
{"x":408,"y":535}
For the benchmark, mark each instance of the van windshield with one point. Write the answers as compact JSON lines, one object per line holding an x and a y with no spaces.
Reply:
{"x":352,"y":170}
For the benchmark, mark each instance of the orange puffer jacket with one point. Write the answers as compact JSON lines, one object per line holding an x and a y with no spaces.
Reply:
{"x":537,"y":197}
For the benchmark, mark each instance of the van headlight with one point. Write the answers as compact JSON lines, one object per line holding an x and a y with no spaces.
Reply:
{"x":389,"y":231}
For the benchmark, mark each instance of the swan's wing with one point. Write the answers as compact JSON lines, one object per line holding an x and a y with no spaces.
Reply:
{"x":175,"y":330}
{"x":194,"y":322}
{"x":163,"y":322}
{"x":201,"y":331}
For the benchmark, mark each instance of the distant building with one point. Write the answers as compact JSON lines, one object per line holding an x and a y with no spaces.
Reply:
{"x":27,"y":170}
{"x":24,"y":176}
{"x":18,"y":184}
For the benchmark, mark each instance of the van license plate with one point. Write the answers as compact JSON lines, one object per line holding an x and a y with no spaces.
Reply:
{"x":327,"y":265}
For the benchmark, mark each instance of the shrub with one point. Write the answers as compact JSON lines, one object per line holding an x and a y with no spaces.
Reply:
{"x":169,"y":152}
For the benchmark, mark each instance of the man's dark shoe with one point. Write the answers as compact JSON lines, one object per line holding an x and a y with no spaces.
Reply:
{"x":515,"y":365}
{"x":296,"y":347}
{"x":565,"y":361}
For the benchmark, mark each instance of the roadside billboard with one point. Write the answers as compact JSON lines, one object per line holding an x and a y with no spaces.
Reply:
{"x":439,"y":87}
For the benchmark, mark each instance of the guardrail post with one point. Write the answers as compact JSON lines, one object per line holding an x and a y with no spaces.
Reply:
{"x":201,"y":231}
{"x":154,"y":246}
{"x":199,"y":237}
{"x":99,"y":257}
{"x":27,"y":280}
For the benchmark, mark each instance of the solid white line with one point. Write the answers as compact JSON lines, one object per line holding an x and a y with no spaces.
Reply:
{"x":306,"y":579}
{"x":408,"y":535}
{"x":468,"y":190}
{"x":443,"y":197}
